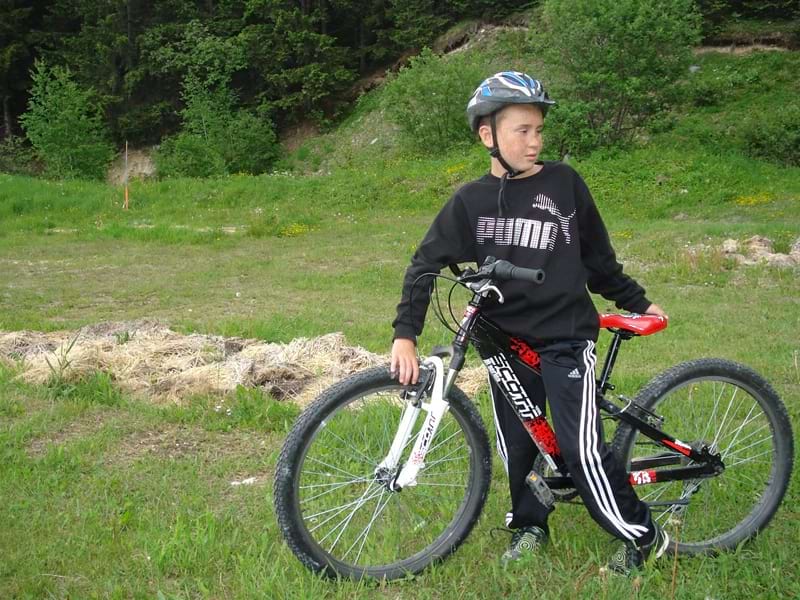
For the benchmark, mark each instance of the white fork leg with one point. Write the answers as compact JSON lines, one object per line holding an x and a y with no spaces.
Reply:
{"x":436,"y":409}
{"x":400,"y":438}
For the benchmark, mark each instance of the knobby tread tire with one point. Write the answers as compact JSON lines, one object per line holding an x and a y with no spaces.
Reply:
{"x":292,"y":454}
{"x":773,"y":408}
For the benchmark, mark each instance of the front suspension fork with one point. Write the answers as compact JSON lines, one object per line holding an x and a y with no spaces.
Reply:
{"x":436,"y":408}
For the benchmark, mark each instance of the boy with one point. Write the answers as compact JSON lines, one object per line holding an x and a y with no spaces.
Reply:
{"x":538,"y":215}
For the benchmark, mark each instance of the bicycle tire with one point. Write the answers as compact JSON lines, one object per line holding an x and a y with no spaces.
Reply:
{"x":336,"y":445}
{"x":743,"y":418}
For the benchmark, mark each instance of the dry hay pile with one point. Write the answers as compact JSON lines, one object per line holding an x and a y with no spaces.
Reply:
{"x":146,"y":358}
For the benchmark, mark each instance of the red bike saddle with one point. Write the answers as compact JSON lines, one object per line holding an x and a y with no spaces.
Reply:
{"x":636,"y":324}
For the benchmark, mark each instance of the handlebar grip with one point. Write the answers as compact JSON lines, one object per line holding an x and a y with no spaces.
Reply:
{"x":506,"y":271}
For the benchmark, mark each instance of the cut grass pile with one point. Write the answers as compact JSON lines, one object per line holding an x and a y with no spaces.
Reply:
{"x":147,"y":359}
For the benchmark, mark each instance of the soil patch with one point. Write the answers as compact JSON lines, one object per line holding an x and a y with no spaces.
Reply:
{"x":738,"y":49}
{"x":74,"y":430}
{"x":140,"y":166}
{"x":175,"y":442}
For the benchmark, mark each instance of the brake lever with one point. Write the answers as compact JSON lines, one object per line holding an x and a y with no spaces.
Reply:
{"x":484,"y":286}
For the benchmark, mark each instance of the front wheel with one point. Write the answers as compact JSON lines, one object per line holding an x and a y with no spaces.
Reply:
{"x":736,"y":413}
{"x":337,"y":509}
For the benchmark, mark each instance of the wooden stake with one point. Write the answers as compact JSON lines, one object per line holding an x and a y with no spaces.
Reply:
{"x":125,"y":204}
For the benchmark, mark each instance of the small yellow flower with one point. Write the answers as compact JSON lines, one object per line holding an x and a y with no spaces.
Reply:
{"x":294,"y":230}
{"x":457,"y":168}
{"x":754,"y":200}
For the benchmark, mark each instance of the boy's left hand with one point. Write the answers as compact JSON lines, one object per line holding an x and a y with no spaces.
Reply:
{"x":655,"y":309}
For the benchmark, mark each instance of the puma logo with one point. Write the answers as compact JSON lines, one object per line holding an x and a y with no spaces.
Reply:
{"x":544,"y":203}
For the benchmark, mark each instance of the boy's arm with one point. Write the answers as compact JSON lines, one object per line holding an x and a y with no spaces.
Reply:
{"x":604,"y":273}
{"x":449,"y":240}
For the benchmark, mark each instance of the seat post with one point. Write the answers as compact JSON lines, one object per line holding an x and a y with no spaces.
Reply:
{"x":611,"y":357}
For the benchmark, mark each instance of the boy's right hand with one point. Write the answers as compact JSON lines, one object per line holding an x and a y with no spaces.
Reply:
{"x":404,"y":363}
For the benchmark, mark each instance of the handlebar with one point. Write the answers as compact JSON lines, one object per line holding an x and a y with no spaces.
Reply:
{"x":502,"y":270}
{"x":505,"y":271}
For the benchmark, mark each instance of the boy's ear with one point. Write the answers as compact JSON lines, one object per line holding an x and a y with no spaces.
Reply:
{"x":485,"y":133}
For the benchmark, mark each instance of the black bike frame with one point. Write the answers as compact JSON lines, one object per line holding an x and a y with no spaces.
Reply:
{"x":496,"y":347}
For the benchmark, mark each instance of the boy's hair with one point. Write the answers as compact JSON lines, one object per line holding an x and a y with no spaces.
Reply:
{"x":498,"y":116}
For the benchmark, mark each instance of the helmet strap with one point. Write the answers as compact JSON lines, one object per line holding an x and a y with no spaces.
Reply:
{"x":494,"y":151}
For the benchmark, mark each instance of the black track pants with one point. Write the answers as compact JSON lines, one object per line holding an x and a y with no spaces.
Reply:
{"x":568,"y":383}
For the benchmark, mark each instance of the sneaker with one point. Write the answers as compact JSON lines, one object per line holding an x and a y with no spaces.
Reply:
{"x":631,"y":556}
{"x":525,"y":541}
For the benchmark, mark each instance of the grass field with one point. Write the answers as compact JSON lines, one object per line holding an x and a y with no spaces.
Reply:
{"x":105,"y":495}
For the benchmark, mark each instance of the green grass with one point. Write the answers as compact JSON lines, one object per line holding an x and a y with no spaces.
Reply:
{"x":105,"y":495}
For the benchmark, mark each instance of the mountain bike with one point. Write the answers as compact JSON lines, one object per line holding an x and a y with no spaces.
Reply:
{"x":380,"y":480}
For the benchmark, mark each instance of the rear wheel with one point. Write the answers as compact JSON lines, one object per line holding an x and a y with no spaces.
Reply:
{"x":336,"y":508}
{"x":734,"y":411}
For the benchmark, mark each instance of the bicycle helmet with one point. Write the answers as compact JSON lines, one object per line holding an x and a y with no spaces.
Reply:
{"x":496,"y":92}
{"x":501,"y":89}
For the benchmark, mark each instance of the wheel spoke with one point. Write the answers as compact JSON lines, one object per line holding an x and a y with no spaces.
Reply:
{"x":752,"y":445}
{"x":749,"y":459}
{"x":367,"y":460}
{"x":330,"y":466}
{"x":365,"y":532}
{"x":342,"y":525}
{"x":727,"y":450}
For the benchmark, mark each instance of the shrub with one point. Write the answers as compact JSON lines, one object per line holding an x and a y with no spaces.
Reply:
{"x":188,"y":155}
{"x":216,"y":138}
{"x":17,"y":156}
{"x":428,"y":98}
{"x":249,"y":144}
{"x":775,"y":136}
{"x":64,"y":124}
{"x":618,"y":63}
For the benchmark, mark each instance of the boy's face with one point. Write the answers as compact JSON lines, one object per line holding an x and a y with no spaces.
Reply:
{"x":519,"y":135}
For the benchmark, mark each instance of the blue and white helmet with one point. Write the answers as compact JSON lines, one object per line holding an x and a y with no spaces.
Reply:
{"x":501,"y":89}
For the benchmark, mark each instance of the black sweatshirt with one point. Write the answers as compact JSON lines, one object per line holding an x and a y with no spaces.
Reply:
{"x":550,"y":222}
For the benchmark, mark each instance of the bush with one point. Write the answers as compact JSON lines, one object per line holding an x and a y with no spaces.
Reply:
{"x":188,"y":155}
{"x":618,"y":64}
{"x":250,"y":144}
{"x":17,"y":156}
{"x":428,"y":98}
{"x":216,"y":138}
{"x":775,"y":136}
{"x":64,"y":124}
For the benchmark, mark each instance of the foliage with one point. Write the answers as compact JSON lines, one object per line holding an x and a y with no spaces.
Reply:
{"x":64,"y":124}
{"x":216,"y":137}
{"x":427,"y":100}
{"x":717,"y":13}
{"x":619,"y":61}
{"x":286,"y":59}
{"x":188,"y":155}
{"x":16,"y":42}
{"x":774,"y":136}
{"x":416,"y":22}
{"x":17,"y":156}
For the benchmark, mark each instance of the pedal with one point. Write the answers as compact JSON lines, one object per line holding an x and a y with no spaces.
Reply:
{"x":540,"y":489}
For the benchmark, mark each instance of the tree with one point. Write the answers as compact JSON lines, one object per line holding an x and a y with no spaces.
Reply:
{"x":64,"y":125}
{"x":16,"y":56}
{"x":620,"y":61}
{"x":295,"y":67}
